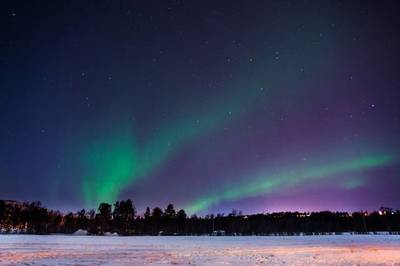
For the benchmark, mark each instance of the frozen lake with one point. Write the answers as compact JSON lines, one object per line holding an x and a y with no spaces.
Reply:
{"x":201,"y":250}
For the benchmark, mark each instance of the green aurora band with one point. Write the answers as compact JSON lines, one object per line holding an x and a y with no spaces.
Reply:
{"x":116,"y":161}
{"x":265,"y":183}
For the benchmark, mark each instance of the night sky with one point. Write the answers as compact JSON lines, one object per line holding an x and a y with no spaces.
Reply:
{"x":210,"y":105}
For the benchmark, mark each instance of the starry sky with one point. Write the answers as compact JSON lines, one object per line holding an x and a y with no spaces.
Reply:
{"x":211,"y":105}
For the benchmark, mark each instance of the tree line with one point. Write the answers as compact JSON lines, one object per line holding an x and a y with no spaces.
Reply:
{"x":122,"y":218}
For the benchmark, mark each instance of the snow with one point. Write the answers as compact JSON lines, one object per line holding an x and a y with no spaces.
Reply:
{"x":200,"y":250}
{"x":80,"y":232}
{"x":110,"y":234}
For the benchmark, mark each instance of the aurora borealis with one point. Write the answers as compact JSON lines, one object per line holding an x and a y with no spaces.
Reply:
{"x":258,"y":106}
{"x":266,"y":183}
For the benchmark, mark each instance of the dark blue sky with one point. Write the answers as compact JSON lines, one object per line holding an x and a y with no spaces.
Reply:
{"x":211,"y":105}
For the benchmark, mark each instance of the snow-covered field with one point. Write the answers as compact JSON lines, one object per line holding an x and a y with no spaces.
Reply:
{"x":203,"y":250}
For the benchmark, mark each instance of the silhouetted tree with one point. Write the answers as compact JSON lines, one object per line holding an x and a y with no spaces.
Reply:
{"x":69,"y":223}
{"x":181,"y":221}
{"x":124,"y":214}
{"x":181,"y":215}
{"x":105,"y":211}
{"x":170,"y":211}
{"x":147,"y":213}
{"x":82,"y":220}
{"x":54,"y":222}
{"x":104,"y":217}
{"x":157,"y":213}
{"x":156,"y":224}
{"x":91,"y":214}
{"x":36,"y":219}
